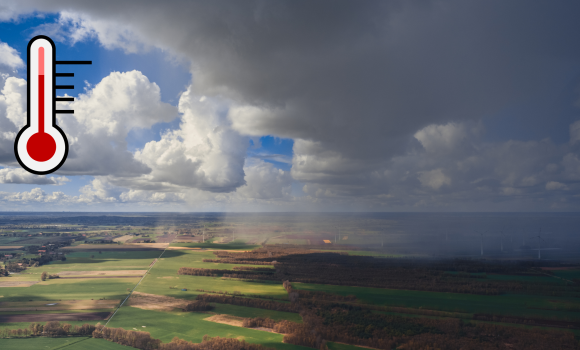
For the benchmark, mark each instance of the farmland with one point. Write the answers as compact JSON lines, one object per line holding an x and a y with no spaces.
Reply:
{"x":90,"y":269}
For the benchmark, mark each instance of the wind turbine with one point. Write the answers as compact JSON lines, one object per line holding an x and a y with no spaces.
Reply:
{"x":481,"y":234}
{"x":540,"y":239}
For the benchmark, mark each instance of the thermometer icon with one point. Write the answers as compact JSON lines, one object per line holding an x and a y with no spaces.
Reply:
{"x":41,"y":146}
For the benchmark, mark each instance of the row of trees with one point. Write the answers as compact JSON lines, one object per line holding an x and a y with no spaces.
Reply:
{"x":136,"y":339}
{"x":50,"y":329}
{"x":381,"y":331}
{"x":265,"y":322}
{"x":198,"y":306}
{"x":448,"y":275}
{"x":240,"y":294}
{"x":260,"y":304}
{"x":226,"y":273}
{"x":324,"y":320}
{"x":234,"y":261}
{"x":527,"y":321}
{"x":254,"y":268}
{"x":209,"y":343}
{"x":45,"y":276}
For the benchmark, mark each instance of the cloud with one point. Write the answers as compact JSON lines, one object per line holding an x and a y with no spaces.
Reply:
{"x":98,"y":129}
{"x":10,"y":61}
{"x":12,"y":116}
{"x":554,"y":185}
{"x":21,"y":176}
{"x":152,"y":197}
{"x":36,"y":195}
{"x":434,"y":178}
{"x":359,"y":80}
{"x":264,"y":181}
{"x":382,"y":99}
{"x":575,"y":132}
{"x":103,"y":117}
{"x":204,"y":153}
{"x":10,"y":58}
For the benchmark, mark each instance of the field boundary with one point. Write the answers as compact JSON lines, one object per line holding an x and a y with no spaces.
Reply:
{"x":132,"y":290}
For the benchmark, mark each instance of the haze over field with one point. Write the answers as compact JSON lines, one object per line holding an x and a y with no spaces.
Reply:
{"x":302,"y":106}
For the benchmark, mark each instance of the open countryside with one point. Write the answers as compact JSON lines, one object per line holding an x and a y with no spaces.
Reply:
{"x":274,"y":281}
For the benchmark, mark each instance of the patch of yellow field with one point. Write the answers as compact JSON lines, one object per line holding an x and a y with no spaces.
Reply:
{"x":155,"y":302}
{"x":17,"y":284}
{"x":344,"y":238}
{"x":226,"y":319}
{"x":327,"y":241}
{"x":124,"y":238}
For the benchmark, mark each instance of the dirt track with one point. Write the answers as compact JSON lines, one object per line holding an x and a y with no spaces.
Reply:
{"x":84,"y":316}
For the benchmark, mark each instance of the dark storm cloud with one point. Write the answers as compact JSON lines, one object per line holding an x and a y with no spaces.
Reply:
{"x":353,"y":81}
{"x":357,"y":74}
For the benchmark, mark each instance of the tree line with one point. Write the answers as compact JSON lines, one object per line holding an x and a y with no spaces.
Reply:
{"x":357,"y":326}
{"x":260,"y":304}
{"x":50,"y":329}
{"x":446,"y":275}
{"x":245,"y":274}
{"x":135,"y":339}
{"x":240,"y":294}
{"x":198,"y":306}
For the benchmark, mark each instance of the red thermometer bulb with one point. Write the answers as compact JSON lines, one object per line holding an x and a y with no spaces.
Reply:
{"x":41,"y":147}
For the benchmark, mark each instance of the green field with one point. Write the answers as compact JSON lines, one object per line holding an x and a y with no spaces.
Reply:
{"x":164,"y":275}
{"x":567,"y":274}
{"x":191,"y":326}
{"x":507,"y":304}
{"x":51,"y":312}
{"x":82,"y":261}
{"x":163,"y":279}
{"x":243,"y":311}
{"x":71,"y":289}
{"x":108,"y":260}
{"x":74,"y":343}
{"x":338,"y":346}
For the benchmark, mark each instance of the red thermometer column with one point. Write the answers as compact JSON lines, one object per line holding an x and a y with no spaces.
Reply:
{"x":41,"y":146}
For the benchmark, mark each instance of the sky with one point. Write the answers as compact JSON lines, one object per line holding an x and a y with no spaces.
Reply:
{"x":299,"y":105}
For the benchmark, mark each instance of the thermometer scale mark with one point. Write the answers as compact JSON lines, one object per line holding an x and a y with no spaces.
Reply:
{"x":41,"y":147}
